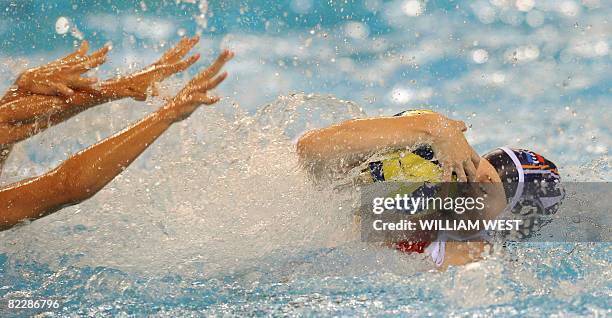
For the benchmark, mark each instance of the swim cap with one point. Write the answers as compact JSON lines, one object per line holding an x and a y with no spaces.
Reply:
{"x":531,"y":183}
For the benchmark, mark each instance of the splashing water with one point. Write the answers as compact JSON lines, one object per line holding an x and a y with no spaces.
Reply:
{"x":218,"y":218}
{"x":62,"y":25}
{"x":192,"y":198}
{"x":201,"y":18}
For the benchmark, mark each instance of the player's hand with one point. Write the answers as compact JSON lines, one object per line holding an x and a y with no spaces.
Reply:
{"x":137,"y":85}
{"x":63,"y":76}
{"x":454,"y":152}
{"x":195,"y":93}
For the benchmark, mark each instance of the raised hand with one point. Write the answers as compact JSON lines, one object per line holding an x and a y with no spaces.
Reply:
{"x":195,"y":93}
{"x":63,"y":76}
{"x":136,"y":85}
{"x":90,"y":170}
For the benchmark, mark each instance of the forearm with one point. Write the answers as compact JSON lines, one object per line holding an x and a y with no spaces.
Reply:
{"x":359,"y":136}
{"x":13,"y":133}
{"x":82,"y":175}
{"x":27,"y":115}
{"x":93,"y":168}
{"x":30,"y":107}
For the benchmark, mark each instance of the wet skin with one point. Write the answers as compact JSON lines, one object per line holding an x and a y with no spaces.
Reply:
{"x":52,"y":93}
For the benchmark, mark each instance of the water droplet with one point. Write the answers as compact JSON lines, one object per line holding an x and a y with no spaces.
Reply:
{"x":480,"y":56}
{"x":62,"y":25}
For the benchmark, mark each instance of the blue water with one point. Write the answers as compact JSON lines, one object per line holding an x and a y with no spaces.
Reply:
{"x":559,"y":289}
{"x":172,"y":236}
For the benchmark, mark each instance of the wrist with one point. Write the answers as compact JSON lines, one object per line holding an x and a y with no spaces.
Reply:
{"x":168,"y":113}
{"x":122,"y":87}
{"x":431,"y":127}
{"x":113,"y":89}
{"x":442,"y":128}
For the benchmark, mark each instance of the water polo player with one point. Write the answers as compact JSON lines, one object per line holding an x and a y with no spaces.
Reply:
{"x":423,"y":145}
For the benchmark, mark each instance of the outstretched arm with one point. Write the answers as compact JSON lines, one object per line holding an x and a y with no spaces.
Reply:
{"x":57,"y":91}
{"x":51,"y":110}
{"x":84,"y":174}
{"x":352,"y":139}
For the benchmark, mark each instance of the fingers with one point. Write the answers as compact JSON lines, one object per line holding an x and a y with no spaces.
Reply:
{"x":223,"y":58}
{"x":172,"y":51}
{"x":448,"y":173}
{"x":216,"y":81}
{"x":199,"y":91}
{"x":475,"y":159}
{"x":210,"y":84}
{"x":195,"y":92}
{"x":183,"y":65}
{"x":176,"y":53}
{"x":101,"y":53}
{"x":470,"y":170}
{"x":160,"y":72}
{"x":62,"y":89}
{"x":80,"y":52}
{"x":205,"y":99}
{"x":83,"y":82}
{"x":185,"y":48}
{"x":461,"y":177}
{"x":94,"y":60}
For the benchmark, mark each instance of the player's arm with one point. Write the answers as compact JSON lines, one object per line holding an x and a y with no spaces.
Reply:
{"x":43,"y":96}
{"x":352,"y":139}
{"x":84,"y":174}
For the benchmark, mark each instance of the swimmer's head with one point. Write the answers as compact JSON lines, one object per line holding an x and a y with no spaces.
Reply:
{"x":521,"y":165}
{"x":531,"y":183}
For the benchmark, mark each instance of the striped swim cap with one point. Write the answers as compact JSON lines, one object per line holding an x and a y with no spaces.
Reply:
{"x":532,"y":185}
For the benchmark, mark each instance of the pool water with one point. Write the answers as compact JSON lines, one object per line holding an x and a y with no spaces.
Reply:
{"x":316,"y":283}
{"x":217,"y":218}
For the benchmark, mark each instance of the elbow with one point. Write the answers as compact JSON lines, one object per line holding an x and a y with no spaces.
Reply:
{"x":301,"y":146}
{"x":322,"y":144}
{"x":305,"y":146}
